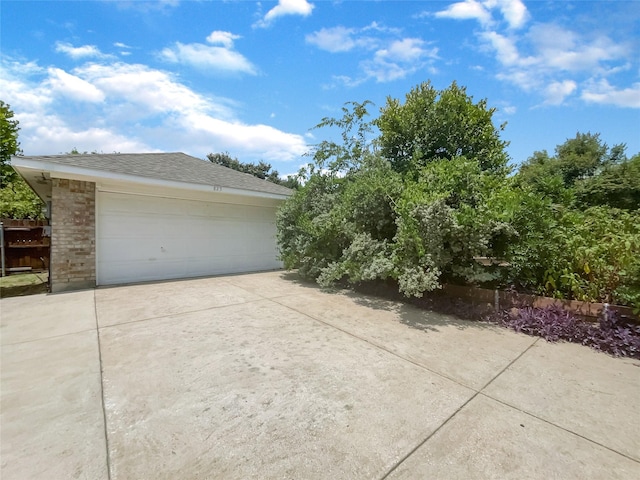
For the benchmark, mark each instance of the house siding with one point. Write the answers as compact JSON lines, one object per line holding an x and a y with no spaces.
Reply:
{"x":73,"y":235}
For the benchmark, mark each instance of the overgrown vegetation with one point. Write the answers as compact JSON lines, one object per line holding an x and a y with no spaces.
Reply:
{"x":17,"y":200}
{"x":9,"y":144}
{"x":611,"y":335}
{"x":422,"y":195}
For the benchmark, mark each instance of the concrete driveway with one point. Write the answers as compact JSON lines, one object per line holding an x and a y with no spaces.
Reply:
{"x":262,"y":376}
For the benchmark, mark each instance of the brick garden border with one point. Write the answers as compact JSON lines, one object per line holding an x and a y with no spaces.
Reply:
{"x":504,"y":300}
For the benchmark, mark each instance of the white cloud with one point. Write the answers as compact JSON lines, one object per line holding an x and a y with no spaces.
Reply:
{"x":145,"y":6}
{"x":57,"y":137}
{"x":540,"y":59}
{"x":135,"y":108}
{"x":273,"y":144}
{"x":405,"y":50}
{"x":146,"y":91}
{"x":347,"y":81}
{"x":506,"y":50}
{"x":73,"y":87}
{"x":514,"y":12}
{"x":221,"y":59}
{"x":77,"y":53}
{"x":224,"y":38}
{"x":556,"y":92}
{"x":336,"y":39}
{"x":393,"y":58}
{"x":377,"y":27}
{"x":32,"y":98}
{"x":466,"y":10}
{"x":561,"y":49}
{"x":343,"y":39}
{"x":602,"y":92}
{"x":125,"y":49}
{"x":286,"y":7}
{"x":521,"y":78}
{"x":399,"y":59}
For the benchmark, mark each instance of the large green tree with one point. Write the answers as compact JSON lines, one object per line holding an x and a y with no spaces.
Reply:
{"x":618,"y":185}
{"x":586,"y":170}
{"x":261,"y":169}
{"x":577,"y":158}
{"x":436,"y":125}
{"x":10,"y":145}
{"x":17,"y":200}
{"x":356,"y":145}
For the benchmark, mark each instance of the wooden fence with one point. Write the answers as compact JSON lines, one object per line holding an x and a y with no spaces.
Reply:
{"x":25,"y":246}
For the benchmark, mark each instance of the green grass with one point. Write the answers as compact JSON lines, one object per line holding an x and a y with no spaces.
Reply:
{"x":23,"y":284}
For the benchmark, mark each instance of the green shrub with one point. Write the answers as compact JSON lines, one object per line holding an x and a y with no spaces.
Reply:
{"x":425,"y":217}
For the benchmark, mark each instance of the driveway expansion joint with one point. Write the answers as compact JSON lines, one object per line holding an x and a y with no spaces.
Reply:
{"x":102,"y":394}
{"x":459,"y":409}
{"x":509,"y":364}
{"x":378,"y":346}
{"x":177,"y":314}
{"x":481,"y":392}
{"x":548,"y":422}
{"x":46,"y":338}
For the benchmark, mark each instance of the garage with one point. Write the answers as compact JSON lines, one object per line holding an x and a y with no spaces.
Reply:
{"x":127,"y":218}
{"x":140,"y":238}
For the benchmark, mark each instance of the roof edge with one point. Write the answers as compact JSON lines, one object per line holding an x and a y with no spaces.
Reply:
{"x":57,"y":170}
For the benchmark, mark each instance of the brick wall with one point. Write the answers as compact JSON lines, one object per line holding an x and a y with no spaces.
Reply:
{"x":73,"y":235}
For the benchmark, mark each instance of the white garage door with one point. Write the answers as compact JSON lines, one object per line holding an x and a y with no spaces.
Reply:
{"x":142,"y":238}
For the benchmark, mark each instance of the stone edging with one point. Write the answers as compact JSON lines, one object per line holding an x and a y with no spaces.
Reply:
{"x":501,"y":299}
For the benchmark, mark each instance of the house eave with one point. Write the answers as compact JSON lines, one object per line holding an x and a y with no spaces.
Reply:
{"x":30,"y":169}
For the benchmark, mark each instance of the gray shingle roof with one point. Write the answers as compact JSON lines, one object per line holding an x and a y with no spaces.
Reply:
{"x":177,"y":167}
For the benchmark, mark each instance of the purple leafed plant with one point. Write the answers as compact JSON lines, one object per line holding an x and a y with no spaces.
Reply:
{"x":613,"y":335}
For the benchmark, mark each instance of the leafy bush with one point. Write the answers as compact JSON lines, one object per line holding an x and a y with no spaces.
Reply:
{"x":612,"y":335}
{"x":17,"y":200}
{"x":365,"y":259}
{"x":603,"y":254}
{"x":422,"y":202}
{"x":439,"y":125}
{"x":557,"y":251}
{"x":449,"y":216}
{"x":310,"y":237}
{"x":617,"y":185}
{"x":590,"y":256}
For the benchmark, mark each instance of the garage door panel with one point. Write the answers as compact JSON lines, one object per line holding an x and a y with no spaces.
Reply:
{"x":142,"y":238}
{"x":207,"y":210}
{"x":122,"y":203}
{"x":144,"y":271}
{"x":209,"y":266}
{"x":114,"y":226}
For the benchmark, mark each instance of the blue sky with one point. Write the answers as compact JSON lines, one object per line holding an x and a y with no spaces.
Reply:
{"x":252,"y":78}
